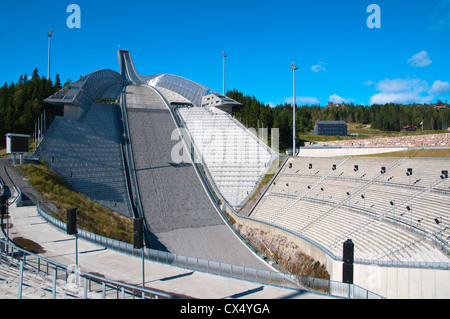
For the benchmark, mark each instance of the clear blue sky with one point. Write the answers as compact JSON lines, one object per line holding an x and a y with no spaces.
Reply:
{"x":339,"y":57}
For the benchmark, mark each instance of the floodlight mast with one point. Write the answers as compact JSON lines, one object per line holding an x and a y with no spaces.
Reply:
{"x":293,"y":68}
{"x":224,"y":56}
{"x":49,"y":41}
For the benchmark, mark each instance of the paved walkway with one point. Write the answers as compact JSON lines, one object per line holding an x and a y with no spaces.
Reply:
{"x":57,"y":246}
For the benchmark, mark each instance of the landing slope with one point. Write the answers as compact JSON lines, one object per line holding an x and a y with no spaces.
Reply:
{"x":176,"y":206}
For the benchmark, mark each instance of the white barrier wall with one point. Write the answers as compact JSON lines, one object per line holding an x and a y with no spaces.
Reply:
{"x":350,"y":151}
{"x":396,"y":282}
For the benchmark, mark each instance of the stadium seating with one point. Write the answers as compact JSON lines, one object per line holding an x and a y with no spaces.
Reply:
{"x":87,"y":154}
{"x":330,"y":204}
{"x":236,"y":159}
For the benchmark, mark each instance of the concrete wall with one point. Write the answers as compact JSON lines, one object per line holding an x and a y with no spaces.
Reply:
{"x":400,"y":283}
{"x":389,"y":282}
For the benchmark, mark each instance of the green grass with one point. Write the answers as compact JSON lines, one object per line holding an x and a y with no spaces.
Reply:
{"x":92,"y":217}
{"x":315,"y":138}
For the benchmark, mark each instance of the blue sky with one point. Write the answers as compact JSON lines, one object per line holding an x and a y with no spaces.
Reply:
{"x":339,"y":57}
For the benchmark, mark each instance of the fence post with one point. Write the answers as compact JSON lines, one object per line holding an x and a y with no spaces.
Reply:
{"x":54,"y":284}
{"x":20,"y":280}
{"x":103,"y":290}
{"x":85,"y":288}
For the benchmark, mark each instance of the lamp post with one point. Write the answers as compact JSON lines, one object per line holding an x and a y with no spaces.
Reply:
{"x":409,"y":207}
{"x":438,"y":222}
{"x":293,"y":68}
{"x":409,"y":172}
{"x":363,"y":196}
{"x":392,"y":202}
{"x":444,"y":176}
{"x":323,"y":194}
{"x":224,"y":56}
{"x":49,"y":41}
{"x":138,"y":243}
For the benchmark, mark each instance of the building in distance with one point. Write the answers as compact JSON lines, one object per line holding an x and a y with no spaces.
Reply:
{"x":330,"y":128}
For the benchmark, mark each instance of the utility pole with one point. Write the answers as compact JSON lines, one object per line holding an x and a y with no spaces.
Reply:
{"x":293,"y":68}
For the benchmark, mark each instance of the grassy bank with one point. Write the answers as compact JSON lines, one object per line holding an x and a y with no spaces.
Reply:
{"x":92,"y":217}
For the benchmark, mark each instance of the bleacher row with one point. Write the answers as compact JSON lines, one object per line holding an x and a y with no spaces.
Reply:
{"x":387,"y":217}
{"x":235,"y":159}
{"x":87,"y":154}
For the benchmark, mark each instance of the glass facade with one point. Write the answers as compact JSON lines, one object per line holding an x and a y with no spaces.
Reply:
{"x":187,"y":88}
{"x":85,"y":89}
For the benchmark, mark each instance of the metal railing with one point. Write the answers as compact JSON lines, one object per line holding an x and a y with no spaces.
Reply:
{"x":85,"y":285}
{"x":2,"y":186}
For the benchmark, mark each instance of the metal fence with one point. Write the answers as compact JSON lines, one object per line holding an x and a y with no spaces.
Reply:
{"x":88,"y":284}
{"x":269,"y":277}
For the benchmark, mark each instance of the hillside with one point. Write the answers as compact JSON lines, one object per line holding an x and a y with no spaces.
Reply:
{"x":367,"y":121}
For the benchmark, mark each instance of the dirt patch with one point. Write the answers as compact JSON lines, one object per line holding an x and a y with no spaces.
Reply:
{"x":285,"y":253}
{"x":29,"y":245}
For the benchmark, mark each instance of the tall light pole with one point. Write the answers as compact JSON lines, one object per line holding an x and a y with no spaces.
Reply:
{"x":293,"y":68}
{"x":224,"y":56}
{"x":410,"y":209}
{"x":49,"y":40}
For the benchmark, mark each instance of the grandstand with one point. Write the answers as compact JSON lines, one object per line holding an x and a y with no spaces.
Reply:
{"x":235,"y":158}
{"x":327,"y":200}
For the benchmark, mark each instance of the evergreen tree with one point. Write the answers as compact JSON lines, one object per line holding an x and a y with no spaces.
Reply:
{"x":57,"y":82}
{"x":22,"y":103}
